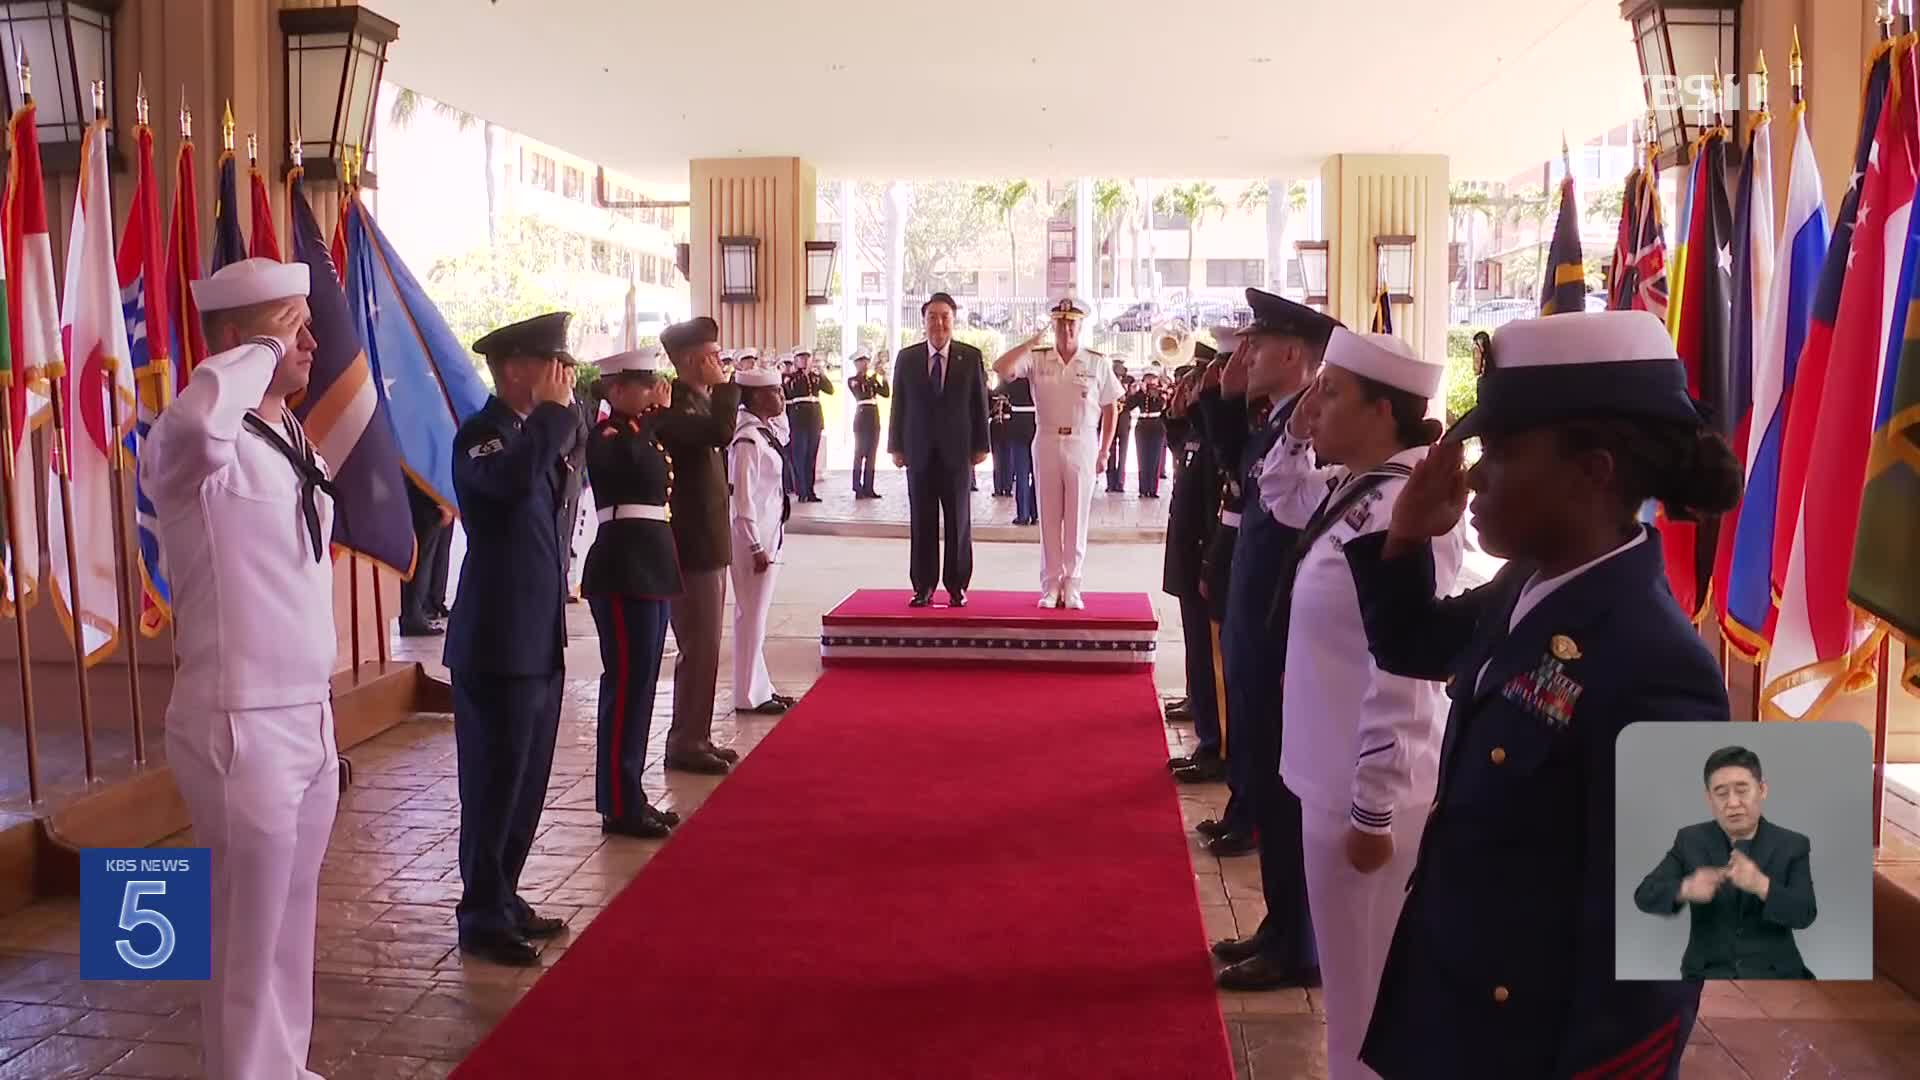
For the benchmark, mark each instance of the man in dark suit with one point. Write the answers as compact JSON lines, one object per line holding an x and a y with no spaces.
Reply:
{"x":937,"y":431}
{"x":1747,"y":882}
{"x":432,"y":532}
{"x":506,"y":641}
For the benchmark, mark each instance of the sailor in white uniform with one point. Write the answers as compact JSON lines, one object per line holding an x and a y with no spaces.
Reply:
{"x":757,"y":510}
{"x":1076,"y":396}
{"x":1362,"y":747}
{"x":245,"y":520}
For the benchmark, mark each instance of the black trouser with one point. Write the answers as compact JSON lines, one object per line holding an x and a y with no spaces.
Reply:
{"x":419,"y":604}
{"x":866,"y":447}
{"x":504,"y":727}
{"x":442,"y":562}
{"x":805,"y":449}
{"x":1203,"y":698}
{"x":1150,"y":440}
{"x":633,"y":634}
{"x":937,"y":501}
{"x":1117,"y":457}
{"x":1002,"y":460}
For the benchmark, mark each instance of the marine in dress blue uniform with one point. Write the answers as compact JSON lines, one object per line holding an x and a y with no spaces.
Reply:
{"x":506,"y":638}
{"x":1281,"y":952}
{"x":1148,"y":403}
{"x":1116,"y":463}
{"x":803,"y":387}
{"x":629,"y":581}
{"x":999,"y":414}
{"x":1502,"y":963}
{"x":1021,"y":428}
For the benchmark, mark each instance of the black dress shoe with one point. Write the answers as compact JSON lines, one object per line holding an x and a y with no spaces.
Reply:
{"x":1177,"y":705}
{"x":957,"y":599}
{"x":701,"y":762}
{"x":1204,"y":770}
{"x":723,"y":753}
{"x":425,"y":629}
{"x":1259,"y":972}
{"x":667,"y":816}
{"x":773,"y":706}
{"x":1213,"y":828}
{"x":921,"y":599}
{"x":537,"y":926}
{"x":783,"y":699}
{"x":508,"y":948}
{"x":1175,"y":764}
{"x":1234,"y":950}
{"x":640,"y":827}
{"x":1230,"y":844}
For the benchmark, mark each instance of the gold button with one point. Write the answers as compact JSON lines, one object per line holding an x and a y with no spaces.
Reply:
{"x":1499,"y":755}
{"x":1500,"y":995}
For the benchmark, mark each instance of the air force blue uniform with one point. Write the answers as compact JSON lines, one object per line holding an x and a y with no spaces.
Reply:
{"x":505,"y":643}
{"x":1502,"y":963}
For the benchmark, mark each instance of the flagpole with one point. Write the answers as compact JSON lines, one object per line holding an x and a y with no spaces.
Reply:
{"x":1880,"y":738}
{"x":7,"y":481}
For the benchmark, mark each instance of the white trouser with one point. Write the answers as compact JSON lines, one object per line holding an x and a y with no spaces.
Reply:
{"x":1063,"y":470}
{"x":1353,"y":919}
{"x":262,"y":786}
{"x":752,"y":599}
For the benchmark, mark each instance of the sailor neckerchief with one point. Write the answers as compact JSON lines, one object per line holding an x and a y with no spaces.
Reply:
{"x":292,"y":443}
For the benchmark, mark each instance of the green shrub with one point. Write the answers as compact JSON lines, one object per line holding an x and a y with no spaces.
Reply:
{"x":1462,"y":385}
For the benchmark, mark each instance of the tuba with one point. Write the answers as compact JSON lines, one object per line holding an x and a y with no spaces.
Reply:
{"x":1172,"y":345}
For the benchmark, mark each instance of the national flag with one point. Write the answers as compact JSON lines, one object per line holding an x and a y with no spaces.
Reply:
{"x":229,"y":244}
{"x":1621,"y":283}
{"x":33,"y":328}
{"x":1701,"y":339}
{"x":427,"y":374}
{"x":1748,"y":613}
{"x":1822,"y":647}
{"x":9,"y":521}
{"x":93,"y":332}
{"x":1383,"y":313}
{"x":1650,"y":245}
{"x":1563,"y":285}
{"x":266,"y":244}
{"x":187,"y":343}
{"x":345,"y":414}
{"x":337,"y":247}
{"x":143,"y":303}
{"x":1752,"y":285}
{"x":1682,"y":231}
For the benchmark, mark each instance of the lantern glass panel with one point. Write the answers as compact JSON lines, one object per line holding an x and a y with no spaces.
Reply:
{"x":39,"y":32}
{"x":737,"y":270}
{"x":1313,"y":269}
{"x":1396,"y":268}
{"x":819,"y":271}
{"x":318,"y":66}
{"x":360,"y":92}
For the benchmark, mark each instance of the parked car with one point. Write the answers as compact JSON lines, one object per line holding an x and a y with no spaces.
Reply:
{"x":1137,"y":317}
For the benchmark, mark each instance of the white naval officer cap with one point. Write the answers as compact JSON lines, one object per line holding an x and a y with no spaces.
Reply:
{"x":249,"y":282}
{"x":756,"y":377}
{"x":634,"y":361}
{"x":1386,"y":359}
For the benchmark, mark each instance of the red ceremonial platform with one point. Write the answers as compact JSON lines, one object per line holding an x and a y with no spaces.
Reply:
{"x":875,"y":627}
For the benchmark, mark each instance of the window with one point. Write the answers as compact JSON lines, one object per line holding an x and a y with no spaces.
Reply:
{"x":1059,"y":272}
{"x":1296,"y":275}
{"x":959,"y":282}
{"x":1169,"y":221}
{"x":870,"y":281}
{"x":1172,"y":273}
{"x":647,"y":272}
{"x":602,"y":256}
{"x":1060,"y":244}
{"x":573,"y":184}
{"x":539,"y":171}
{"x":1236,"y":272}
{"x":1486,"y":276}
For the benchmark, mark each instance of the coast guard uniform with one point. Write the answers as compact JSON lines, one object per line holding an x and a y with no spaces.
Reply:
{"x":1069,"y":397}
{"x":1021,"y":429}
{"x":245,"y":519}
{"x":1503,"y":960}
{"x":757,"y":513}
{"x":630,"y":578}
{"x":866,"y":391}
{"x":506,"y":639}
{"x":808,"y":423}
{"x":1362,"y":746}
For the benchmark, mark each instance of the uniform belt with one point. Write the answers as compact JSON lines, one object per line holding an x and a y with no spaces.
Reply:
{"x":1065,"y":431}
{"x":1025,"y":408}
{"x":815,"y":400}
{"x":1146,"y":416}
{"x":1230,"y":518}
{"x":635,"y":511}
{"x":869,"y":404}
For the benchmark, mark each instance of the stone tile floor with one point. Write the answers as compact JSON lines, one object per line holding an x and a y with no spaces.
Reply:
{"x":395,"y":999}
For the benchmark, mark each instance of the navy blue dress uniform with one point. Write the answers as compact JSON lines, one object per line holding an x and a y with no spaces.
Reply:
{"x":866,"y":389}
{"x":1023,"y":415}
{"x":807,"y":423}
{"x":1148,"y":404}
{"x":1503,"y":960}
{"x":1122,"y":429}
{"x":1263,"y":554}
{"x":999,"y":415}
{"x":631,"y":575}
{"x":1192,"y":513}
{"x":506,"y":638}
{"x":1738,"y":935}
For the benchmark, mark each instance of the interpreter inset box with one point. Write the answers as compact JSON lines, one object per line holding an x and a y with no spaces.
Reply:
{"x":1743,"y":851}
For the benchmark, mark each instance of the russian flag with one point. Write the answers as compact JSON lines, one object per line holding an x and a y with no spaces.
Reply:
{"x":1748,"y":610}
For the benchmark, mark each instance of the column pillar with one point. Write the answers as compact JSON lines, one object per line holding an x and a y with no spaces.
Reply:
{"x":770,"y":199}
{"x":1369,"y":195}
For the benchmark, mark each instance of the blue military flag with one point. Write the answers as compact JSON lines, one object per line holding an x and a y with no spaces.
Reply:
{"x":1563,"y":285}
{"x":425,"y":373}
{"x":346,"y":415}
{"x":229,"y":244}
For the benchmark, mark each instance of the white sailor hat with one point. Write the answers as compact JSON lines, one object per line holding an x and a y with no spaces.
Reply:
{"x":727,"y":356}
{"x":1537,"y":372}
{"x":1384,"y":359}
{"x":757,"y":377}
{"x":633,"y":362}
{"x":798,"y":353}
{"x":749,"y":353}
{"x":249,"y":282}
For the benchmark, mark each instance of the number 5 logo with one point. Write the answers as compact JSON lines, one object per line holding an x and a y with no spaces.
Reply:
{"x":133,"y":916}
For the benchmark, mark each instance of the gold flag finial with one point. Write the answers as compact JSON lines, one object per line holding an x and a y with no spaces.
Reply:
{"x":1760,"y":85}
{"x":140,"y":102}
{"x":253,"y":150}
{"x":1797,"y":69}
{"x":226,"y":129}
{"x":1885,"y":19}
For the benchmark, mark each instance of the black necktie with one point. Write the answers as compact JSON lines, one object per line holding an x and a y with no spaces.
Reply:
{"x":312,"y":480}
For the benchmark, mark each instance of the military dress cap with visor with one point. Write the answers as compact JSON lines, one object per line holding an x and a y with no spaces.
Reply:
{"x":1068,"y":308}
{"x":685,"y":335}
{"x":1549,"y":370}
{"x":543,"y":337}
{"x":1278,"y":315}
{"x":1384,"y":359}
{"x":249,"y":282}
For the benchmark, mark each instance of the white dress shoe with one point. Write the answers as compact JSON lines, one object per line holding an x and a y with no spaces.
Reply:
{"x":1071,"y":599}
{"x":1049,"y":600}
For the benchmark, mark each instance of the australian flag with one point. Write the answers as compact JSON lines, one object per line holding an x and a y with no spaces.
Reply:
{"x":345,"y":414}
{"x":424,"y":372}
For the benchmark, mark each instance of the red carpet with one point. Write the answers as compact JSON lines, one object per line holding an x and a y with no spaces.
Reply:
{"x":919,"y":873}
{"x":876,"y":627}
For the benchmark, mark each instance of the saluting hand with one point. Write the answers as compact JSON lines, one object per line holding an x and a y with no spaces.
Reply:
{"x":555,"y":385}
{"x":1233,"y":379}
{"x":1699,"y":886}
{"x":1746,"y":875}
{"x":1367,"y":851}
{"x":284,"y":325}
{"x":1434,"y":497}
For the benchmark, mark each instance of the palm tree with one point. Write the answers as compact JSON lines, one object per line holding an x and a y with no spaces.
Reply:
{"x":1465,"y":202}
{"x":1111,"y":201}
{"x":1005,"y":200}
{"x":1257,"y":195}
{"x":406,"y":105}
{"x":1192,"y":202}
